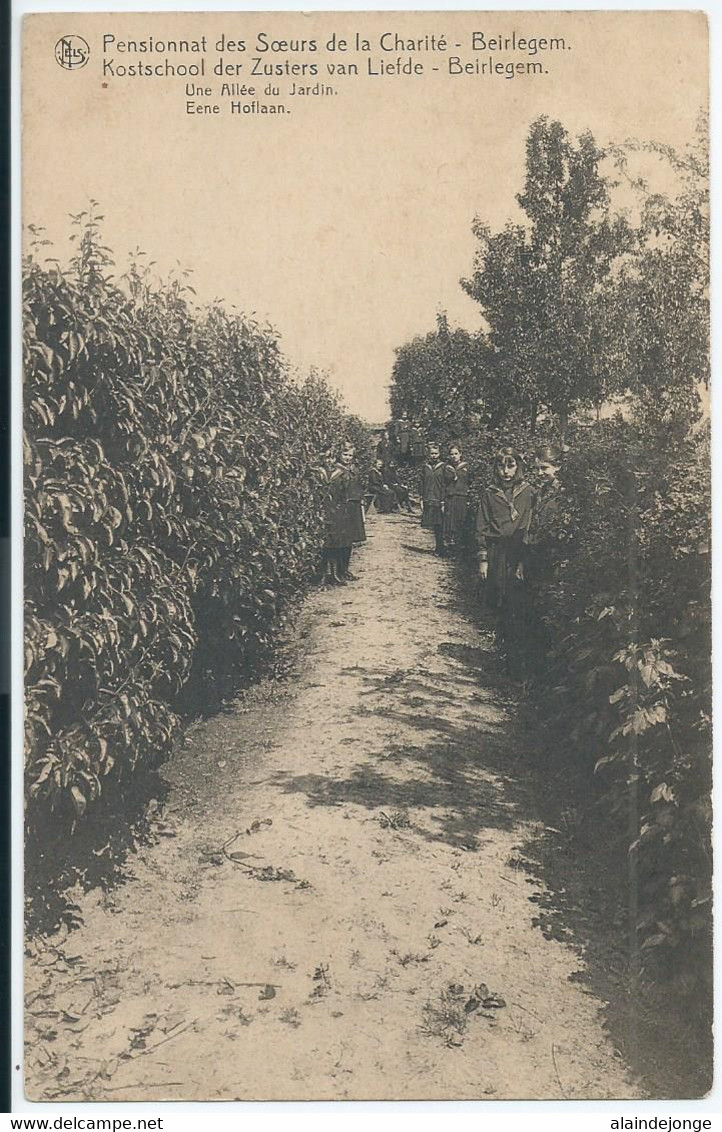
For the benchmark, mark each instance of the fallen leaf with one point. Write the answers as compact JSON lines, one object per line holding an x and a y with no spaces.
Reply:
{"x":494,"y":1002}
{"x":79,"y":1026}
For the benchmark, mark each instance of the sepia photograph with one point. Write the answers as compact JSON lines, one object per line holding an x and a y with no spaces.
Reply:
{"x":367,"y":621}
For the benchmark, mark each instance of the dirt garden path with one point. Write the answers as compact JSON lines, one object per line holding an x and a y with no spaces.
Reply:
{"x":342,"y":909}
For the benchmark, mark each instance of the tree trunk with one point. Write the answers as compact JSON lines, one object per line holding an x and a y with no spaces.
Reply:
{"x":563,"y":425}
{"x":532,"y":420}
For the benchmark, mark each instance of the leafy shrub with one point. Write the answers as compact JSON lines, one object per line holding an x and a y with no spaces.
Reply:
{"x":630,"y":674}
{"x":172,"y":514}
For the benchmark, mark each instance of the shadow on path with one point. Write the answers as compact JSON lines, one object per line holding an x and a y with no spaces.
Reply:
{"x":444,"y":778}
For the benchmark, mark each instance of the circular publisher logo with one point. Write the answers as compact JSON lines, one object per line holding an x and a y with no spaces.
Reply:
{"x":72,"y":52}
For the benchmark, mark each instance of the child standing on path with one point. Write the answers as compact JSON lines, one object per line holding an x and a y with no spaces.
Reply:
{"x":457,"y":492}
{"x":435,"y":478}
{"x":403,"y":436}
{"x":334,"y":515}
{"x":502,"y":525}
{"x":545,"y":535}
{"x":352,"y":529}
{"x":416,"y":440}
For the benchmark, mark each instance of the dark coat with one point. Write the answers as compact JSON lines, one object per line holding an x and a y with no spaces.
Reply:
{"x":434,"y":482}
{"x":456,"y":500}
{"x":348,"y":488}
{"x":335,"y":508}
{"x":416,"y":440}
{"x":502,"y":526}
{"x":546,"y":537}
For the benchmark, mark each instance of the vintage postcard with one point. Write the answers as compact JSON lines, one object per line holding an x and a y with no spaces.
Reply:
{"x":367,"y":611}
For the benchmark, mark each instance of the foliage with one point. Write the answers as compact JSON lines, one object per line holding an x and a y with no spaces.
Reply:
{"x":582,"y":306}
{"x":172,"y":517}
{"x":445,"y":380}
{"x":546,"y":286}
{"x":665,"y":281}
{"x":361,"y":438}
{"x":629,"y":676}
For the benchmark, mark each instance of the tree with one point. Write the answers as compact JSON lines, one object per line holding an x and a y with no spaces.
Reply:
{"x":664,"y":284}
{"x":444,"y":378}
{"x":546,"y":287}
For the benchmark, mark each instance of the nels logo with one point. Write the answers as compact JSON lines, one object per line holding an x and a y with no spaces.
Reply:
{"x":72,"y":52}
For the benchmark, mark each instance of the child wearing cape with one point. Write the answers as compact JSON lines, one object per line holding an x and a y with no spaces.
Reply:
{"x":502,"y":525}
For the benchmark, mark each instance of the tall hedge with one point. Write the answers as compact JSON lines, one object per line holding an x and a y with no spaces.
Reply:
{"x":626,"y":684}
{"x":628,"y":680}
{"x":173,"y":512}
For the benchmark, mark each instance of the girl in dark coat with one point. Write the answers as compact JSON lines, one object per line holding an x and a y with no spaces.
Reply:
{"x":351,"y":515}
{"x":403,"y":434}
{"x":334,"y":514}
{"x":416,"y":441}
{"x":436,"y":476}
{"x":457,"y":492}
{"x":545,"y":537}
{"x":502,"y":525}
